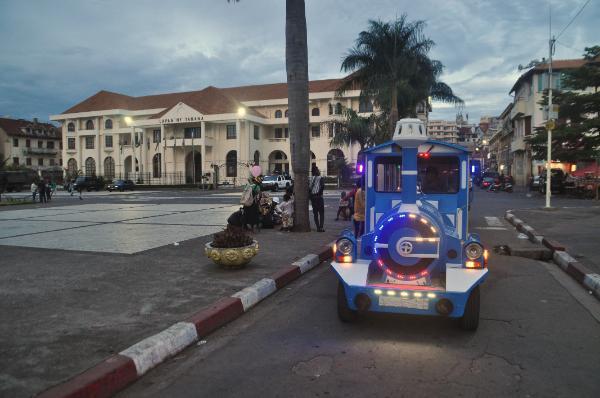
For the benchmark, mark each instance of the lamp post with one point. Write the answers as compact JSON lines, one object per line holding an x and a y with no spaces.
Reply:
{"x":550,"y":120}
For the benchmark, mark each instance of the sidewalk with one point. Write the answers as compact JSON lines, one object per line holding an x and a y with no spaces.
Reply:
{"x":64,"y":311}
{"x":578,"y":228}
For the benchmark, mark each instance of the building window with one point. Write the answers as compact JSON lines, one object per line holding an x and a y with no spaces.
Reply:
{"x":70,"y":143}
{"x":89,"y":125}
{"x":109,"y":168}
{"x":256,"y":132}
{"x":28,"y":161}
{"x":90,"y":167}
{"x":60,"y":145}
{"x":365,"y":105}
{"x":286,"y":113}
{"x":40,"y":161}
{"x":338,"y":108}
{"x":191,"y":132}
{"x":89,"y":142}
{"x":278,"y":114}
{"x":52,"y":161}
{"x":156,"y":165}
{"x":71,"y":167}
{"x":156,"y":136}
{"x":16,"y":161}
{"x":278,"y":132}
{"x":28,"y":143}
{"x":315,"y":112}
{"x":40,"y":144}
{"x":50,"y":145}
{"x":231,"y":164}
{"x":315,"y":131}
{"x":330,"y":107}
{"x":108,"y":124}
{"x":71,"y":126}
{"x":231,"y":133}
{"x":15,"y":142}
{"x":60,"y":161}
{"x":257,"y":158}
{"x":287,"y":132}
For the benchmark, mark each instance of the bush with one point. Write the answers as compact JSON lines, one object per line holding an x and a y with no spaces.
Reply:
{"x":231,"y":237}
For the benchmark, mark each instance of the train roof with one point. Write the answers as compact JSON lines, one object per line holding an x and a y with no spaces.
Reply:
{"x":390,"y":144}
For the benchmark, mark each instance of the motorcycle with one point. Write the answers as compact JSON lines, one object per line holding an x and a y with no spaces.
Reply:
{"x":497,"y":186}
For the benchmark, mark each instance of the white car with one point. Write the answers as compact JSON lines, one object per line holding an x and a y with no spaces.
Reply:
{"x":276,"y":182}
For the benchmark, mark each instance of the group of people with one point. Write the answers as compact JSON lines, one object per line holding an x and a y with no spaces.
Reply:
{"x":352,"y":205}
{"x":45,"y":190}
{"x":258,"y":208}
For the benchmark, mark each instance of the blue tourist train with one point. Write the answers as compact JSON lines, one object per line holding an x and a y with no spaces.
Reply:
{"x":417,"y":255}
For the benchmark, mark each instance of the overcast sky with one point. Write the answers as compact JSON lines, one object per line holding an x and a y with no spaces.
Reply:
{"x":56,"y":53}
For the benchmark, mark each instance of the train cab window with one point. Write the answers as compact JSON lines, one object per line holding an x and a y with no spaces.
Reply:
{"x":439,"y":175}
{"x":388,"y":174}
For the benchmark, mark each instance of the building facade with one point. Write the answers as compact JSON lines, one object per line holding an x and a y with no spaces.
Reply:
{"x":33,"y":145}
{"x":443,"y":130}
{"x":189,"y":137}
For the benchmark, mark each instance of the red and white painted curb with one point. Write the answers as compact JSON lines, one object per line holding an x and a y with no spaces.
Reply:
{"x":118,"y":371}
{"x":582,"y":274}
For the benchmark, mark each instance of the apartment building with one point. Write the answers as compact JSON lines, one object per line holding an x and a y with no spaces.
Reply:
{"x":33,"y":145}
{"x":187,"y":137}
{"x":443,"y":130}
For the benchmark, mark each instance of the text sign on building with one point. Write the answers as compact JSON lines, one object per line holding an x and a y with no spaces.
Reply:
{"x":181,"y":119}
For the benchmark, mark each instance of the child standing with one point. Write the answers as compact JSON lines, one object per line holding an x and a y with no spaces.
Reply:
{"x":287,"y":212}
{"x":343,"y":206}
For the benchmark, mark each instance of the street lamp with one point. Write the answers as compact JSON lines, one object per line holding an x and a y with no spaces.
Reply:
{"x":241,"y":111}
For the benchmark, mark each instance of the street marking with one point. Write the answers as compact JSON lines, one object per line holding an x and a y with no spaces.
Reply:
{"x":493,"y":221}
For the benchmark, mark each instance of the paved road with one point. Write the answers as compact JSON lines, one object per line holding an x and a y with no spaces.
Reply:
{"x":538,"y":337}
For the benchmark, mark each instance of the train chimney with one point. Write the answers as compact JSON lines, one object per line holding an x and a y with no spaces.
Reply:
{"x":409,"y":134}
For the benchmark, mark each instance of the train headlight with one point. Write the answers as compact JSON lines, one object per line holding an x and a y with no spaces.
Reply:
{"x":473,"y":250}
{"x":345,"y":246}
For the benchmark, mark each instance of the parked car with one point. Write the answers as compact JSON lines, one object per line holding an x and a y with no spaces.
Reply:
{"x":534,"y":183}
{"x":557,"y":181}
{"x":88,"y":183}
{"x":276,"y":182}
{"x":121,"y":185}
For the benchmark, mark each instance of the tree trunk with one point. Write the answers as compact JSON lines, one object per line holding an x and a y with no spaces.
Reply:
{"x":393,"y":111}
{"x":296,"y":62}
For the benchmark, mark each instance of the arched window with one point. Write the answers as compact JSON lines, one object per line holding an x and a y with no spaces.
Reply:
{"x":313,"y":160}
{"x":89,"y":125}
{"x":90,"y":167}
{"x":338,"y":109}
{"x":330,"y":109}
{"x":278,"y":114}
{"x":108,"y":124}
{"x":365,"y":105}
{"x":257,"y":158}
{"x":335,"y":162}
{"x":109,"y":168}
{"x":231,"y":164}
{"x":315,"y":112}
{"x":156,"y":165}
{"x":71,"y":126}
{"x":286,"y":113}
{"x":72,"y":167}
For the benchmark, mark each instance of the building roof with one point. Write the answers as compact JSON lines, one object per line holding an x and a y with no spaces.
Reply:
{"x":210,"y":100}
{"x":559,"y":64}
{"x":19,"y":128}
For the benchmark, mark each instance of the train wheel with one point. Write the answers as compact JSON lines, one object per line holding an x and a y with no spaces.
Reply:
{"x":344,"y":312}
{"x":470,"y":319}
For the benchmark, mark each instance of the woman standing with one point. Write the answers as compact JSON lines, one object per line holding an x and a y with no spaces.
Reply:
{"x":249,"y":200}
{"x":359,"y":210}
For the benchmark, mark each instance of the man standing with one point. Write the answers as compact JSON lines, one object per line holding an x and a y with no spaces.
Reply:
{"x":316,"y":187}
{"x":42,"y":191}
{"x":34,"y":189}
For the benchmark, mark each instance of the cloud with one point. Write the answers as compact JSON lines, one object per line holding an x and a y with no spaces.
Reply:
{"x":58,"y":53}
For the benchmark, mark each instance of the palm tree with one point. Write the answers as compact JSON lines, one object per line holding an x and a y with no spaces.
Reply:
{"x":352,"y":128}
{"x":296,"y":62}
{"x":390,"y":63}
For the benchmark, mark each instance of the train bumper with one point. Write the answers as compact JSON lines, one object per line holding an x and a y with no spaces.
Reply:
{"x":408,"y":299}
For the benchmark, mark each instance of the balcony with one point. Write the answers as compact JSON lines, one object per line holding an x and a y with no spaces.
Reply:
{"x":519,"y":108}
{"x":184,"y":142}
{"x":517,"y":144}
{"x":277,"y":139}
{"x":40,"y":151}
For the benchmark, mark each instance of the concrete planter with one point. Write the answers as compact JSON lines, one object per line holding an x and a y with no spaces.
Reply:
{"x":231,"y":257}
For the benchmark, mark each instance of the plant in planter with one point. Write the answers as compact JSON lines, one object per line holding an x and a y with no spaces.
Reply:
{"x":232,"y":247}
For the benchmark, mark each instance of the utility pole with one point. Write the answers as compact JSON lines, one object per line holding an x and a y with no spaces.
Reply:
{"x":550,"y":121}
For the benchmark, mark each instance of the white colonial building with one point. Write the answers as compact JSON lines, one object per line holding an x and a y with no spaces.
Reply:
{"x":180,"y":138}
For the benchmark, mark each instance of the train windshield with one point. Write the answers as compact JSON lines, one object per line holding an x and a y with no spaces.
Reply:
{"x":439,"y":174}
{"x":436,"y":175}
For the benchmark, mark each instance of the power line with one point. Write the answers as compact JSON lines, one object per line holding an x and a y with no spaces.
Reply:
{"x":572,"y":19}
{"x":568,"y":46}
